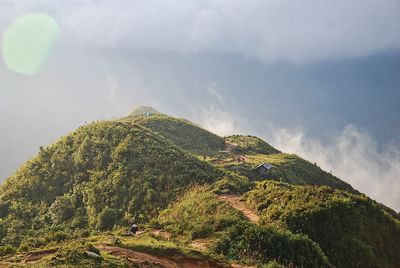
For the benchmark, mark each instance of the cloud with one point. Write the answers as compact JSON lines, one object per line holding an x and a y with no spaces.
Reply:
{"x":270,"y":30}
{"x":216,"y":113}
{"x":353,"y":156}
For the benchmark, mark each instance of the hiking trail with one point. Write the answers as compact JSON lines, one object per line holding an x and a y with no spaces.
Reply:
{"x":235,"y":202}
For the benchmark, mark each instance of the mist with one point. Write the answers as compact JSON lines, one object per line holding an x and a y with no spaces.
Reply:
{"x":352,"y":155}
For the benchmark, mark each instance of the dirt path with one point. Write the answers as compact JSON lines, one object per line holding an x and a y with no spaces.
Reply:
{"x":144,"y":259}
{"x":147,"y":260}
{"x":4,"y":264}
{"x":234,"y":201}
{"x":37,"y":255}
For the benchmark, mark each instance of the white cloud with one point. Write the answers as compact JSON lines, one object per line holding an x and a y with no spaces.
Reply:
{"x":271,"y":30}
{"x":353,"y":156}
{"x":218,"y":120}
{"x":216,"y":113}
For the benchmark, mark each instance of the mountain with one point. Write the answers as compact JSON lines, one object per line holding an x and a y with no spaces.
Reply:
{"x":200,"y":200}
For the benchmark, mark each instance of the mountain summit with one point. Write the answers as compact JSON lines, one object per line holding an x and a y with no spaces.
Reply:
{"x":193,"y":194}
{"x":143,"y":110}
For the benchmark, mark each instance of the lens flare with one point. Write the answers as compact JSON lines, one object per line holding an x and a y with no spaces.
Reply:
{"x":28,"y":41}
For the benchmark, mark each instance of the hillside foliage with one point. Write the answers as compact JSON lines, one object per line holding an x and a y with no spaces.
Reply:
{"x":102,"y":166}
{"x":200,"y":214}
{"x":346,"y":226}
{"x":250,"y":145}
{"x":182,"y":133}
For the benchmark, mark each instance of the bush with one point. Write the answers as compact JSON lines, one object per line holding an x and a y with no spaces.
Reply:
{"x":198,"y":214}
{"x":106,"y":219}
{"x":247,"y":241}
{"x":6,"y":250}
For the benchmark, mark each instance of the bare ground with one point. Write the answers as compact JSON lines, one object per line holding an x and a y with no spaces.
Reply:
{"x":146,"y":260}
{"x":37,"y":255}
{"x":234,"y":201}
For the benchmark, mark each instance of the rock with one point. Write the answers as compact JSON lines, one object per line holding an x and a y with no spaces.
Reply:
{"x":92,"y":255}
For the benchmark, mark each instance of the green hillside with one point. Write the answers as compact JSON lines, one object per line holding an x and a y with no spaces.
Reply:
{"x":182,"y":132}
{"x":118,"y":169}
{"x":288,"y":168}
{"x":197,"y":197}
{"x":250,"y":145}
{"x":346,"y":226}
{"x":200,"y":214}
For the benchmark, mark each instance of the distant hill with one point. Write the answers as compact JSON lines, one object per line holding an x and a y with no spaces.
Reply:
{"x":180,"y":182}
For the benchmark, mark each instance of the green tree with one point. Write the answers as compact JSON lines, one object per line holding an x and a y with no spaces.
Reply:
{"x":61,"y":209}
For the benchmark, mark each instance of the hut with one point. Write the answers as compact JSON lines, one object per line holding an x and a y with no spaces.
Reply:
{"x":263,"y":169}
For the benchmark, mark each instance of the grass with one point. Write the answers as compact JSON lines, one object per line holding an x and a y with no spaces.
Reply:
{"x":288,"y":168}
{"x":182,"y":133}
{"x":250,"y":145}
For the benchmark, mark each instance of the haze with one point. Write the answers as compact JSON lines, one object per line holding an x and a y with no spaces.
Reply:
{"x":317,"y":78}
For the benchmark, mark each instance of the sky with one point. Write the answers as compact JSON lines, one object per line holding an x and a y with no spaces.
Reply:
{"x":317,"y":78}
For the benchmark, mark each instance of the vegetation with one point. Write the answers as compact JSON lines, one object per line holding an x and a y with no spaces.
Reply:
{"x":200,"y":214}
{"x":123,"y":166}
{"x":182,"y":133}
{"x":286,"y":168}
{"x":247,"y":241}
{"x":250,"y":145}
{"x":346,"y":226}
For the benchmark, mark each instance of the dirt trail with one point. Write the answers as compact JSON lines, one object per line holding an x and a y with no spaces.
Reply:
{"x":147,"y":260}
{"x":4,"y":264}
{"x":37,"y":255}
{"x":234,"y":201}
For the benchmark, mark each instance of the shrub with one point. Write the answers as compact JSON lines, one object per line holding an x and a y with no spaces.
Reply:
{"x":106,"y":219}
{"x":6,"y":250}
{"x":247,"y":241}
{"x":198,"y":214}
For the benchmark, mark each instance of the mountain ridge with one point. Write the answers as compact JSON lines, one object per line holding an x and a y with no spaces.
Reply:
{"x":166,"y":173}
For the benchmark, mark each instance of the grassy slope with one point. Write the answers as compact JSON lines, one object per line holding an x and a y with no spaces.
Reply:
{"x":346,"y":226}
{"x":183,"y":133}
{"x":287,"y":168}
{"x":250,"y":145}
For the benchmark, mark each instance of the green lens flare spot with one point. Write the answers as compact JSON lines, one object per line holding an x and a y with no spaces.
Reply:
{"x":27,"y":42}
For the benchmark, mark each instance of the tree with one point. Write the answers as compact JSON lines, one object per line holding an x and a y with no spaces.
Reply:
{"x":61,"y":209}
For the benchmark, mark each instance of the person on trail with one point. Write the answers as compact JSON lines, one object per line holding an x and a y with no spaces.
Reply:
{"x":134,"y":229}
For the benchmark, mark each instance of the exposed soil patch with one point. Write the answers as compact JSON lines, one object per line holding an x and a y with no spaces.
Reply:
{"x":146,"y":260}
{"x":242,"y":266}
{"x":200,"y":244}
{"x":234,"y":201}
{"x":37,"y":255}
{"x":4,"y":264}
{"x":162,"y":234}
